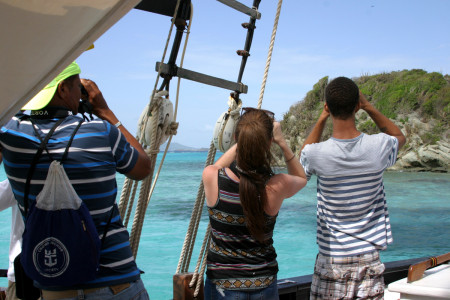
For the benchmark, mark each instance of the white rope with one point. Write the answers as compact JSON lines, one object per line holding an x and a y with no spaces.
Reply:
{"x":156,"y":139}
{"x":141,"y":206}
{"x":269,"y":55}
{"x":197,"y":278}
{"x":131,"y":202}
{"x":189,"y":240}
{"x":147,"y":186}
{"x":188,"y":32}
{"x":123,"y":204}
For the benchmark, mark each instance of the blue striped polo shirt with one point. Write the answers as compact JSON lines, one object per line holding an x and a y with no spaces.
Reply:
{"x":352,"y":215}
{"x":97,"y":152}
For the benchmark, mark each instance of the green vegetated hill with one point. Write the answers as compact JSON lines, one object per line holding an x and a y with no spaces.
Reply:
{"x":417,"y":101}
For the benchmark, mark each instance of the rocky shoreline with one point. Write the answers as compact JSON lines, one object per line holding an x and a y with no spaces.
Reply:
{"x":417,"y":155}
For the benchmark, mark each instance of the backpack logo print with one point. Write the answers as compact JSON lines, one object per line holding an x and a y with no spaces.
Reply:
{"x":51,"y":257}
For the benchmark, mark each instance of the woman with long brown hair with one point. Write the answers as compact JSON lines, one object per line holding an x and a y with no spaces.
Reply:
{"x":244,"y":196}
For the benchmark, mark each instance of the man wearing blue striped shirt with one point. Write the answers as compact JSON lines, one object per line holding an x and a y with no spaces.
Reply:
{"x":99,"y":149}
{"x":352,"y":217}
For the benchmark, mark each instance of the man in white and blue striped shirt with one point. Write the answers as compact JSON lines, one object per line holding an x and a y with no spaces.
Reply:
{"x":99,"y":149}
{"x":352,"y":217}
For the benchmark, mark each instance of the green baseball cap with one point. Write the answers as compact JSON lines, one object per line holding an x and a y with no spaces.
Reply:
{"x":46,"y":94}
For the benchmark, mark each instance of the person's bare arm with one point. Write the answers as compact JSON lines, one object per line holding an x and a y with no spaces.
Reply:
{"x":316,"y":133}
{"x":142,"y":167}
{"x":210,"y":184}
{"x":282,"y":186}
{"x":292,"y":163}
{"x":209,"y":175}
{"x":227,"y":158}
{"x":383,"y":123}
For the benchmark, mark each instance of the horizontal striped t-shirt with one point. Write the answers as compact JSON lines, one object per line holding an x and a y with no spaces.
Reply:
{"x":352,"y":215}
{"x":98,"y":150}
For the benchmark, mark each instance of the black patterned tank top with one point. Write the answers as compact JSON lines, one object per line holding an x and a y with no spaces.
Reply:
{"x":235,"y":259}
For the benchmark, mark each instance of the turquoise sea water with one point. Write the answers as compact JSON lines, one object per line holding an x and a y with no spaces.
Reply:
{"x":419,"y":206}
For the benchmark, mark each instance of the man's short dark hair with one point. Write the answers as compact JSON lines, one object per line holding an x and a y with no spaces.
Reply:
{"x":70,"y":79}
{"x":342,"y":96}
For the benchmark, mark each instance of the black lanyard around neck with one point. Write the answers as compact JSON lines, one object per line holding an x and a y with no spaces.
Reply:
{"x":51,"y":112}
{"x":38,"y":154}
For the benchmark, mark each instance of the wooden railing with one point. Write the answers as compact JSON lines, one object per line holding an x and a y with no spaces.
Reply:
{"x":415,"y":272}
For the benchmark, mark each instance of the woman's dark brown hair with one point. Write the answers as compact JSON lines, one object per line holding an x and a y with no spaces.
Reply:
{"x":253,"y":159}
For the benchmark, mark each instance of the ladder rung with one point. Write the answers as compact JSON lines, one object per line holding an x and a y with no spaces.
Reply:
{"x":242,"y":8}
{"x":244,"y":53}
{"x":248,"y":26}
{"x":202,"y":78}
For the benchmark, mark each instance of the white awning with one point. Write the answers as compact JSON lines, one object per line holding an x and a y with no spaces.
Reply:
{"x":39,"y":38}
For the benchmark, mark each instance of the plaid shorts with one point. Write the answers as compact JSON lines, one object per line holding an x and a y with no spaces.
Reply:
{"x":354,"y":277}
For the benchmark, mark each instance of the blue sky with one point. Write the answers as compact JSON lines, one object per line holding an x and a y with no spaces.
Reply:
{"x":315,"y":39}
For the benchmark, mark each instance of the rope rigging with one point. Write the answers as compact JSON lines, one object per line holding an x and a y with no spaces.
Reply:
{"x":154,"y":128}
{"x":158,"y":124}
{"x":217,"y":143}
